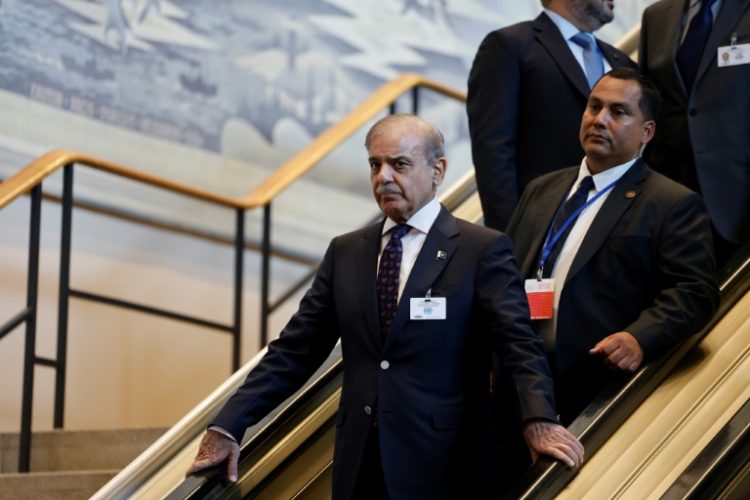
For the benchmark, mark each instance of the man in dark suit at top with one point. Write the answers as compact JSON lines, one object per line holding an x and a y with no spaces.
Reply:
{"x":625,"y":252}
{"x":698,"y":54}
{"x":420,"y":301}
{"x":527,"y":89}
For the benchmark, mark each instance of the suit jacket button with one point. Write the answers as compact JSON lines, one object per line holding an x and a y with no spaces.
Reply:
{"x":368,"y":410}
{"x":385,"y":365}
{"x":692,"y":111}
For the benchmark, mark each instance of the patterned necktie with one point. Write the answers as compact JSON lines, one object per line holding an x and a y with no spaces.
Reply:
{"x":566,"y":211}
{"x":387,"y":281}
{"x":592,"y":59}
{"x":691,"y":50}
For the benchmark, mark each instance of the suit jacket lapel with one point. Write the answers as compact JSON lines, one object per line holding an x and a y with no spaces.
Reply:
{"x":726,"y":20}
{"x":366,"y":279}
{"x":427,"y":268}
{"x":612,"y":56}
{"x":663,"y":47}
{"x":551,"y":39}
{"x":619,"y":200}
{"x":540,"y":225}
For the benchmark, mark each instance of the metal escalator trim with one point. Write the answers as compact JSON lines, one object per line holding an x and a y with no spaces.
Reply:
{"x":161,"y":468}
{"x":317,"y":485}
{"x":719,"y":462}
{"x":158,"y":454}
{"x":284,"y":447}
{"x":470,"y":209}
{"x":646,"y":454}
{"x":297,"y":475}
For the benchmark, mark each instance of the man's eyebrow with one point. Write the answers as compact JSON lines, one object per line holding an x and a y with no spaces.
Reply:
{"x":400,"y":158}
{"x":391,"y":159}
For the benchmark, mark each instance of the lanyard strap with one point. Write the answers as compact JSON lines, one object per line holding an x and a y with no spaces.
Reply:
{"x":554,"y":237}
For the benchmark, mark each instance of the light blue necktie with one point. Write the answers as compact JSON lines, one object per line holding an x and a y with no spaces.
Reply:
{"x":592,"y":59}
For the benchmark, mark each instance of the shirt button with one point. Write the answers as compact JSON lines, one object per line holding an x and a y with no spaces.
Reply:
{"x":385,"y":365}
{"x":368,"y":410}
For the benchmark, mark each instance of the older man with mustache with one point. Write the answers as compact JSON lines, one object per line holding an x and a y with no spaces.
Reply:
{"x":420,"y":301}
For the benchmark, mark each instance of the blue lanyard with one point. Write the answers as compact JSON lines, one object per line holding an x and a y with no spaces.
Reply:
{"x":552,"y":239}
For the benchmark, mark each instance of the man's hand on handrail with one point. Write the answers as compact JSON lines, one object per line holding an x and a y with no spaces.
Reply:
{"x":215,"y":447}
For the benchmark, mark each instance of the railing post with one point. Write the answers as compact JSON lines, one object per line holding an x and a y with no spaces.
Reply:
{"x":239,"y":253}
{"x":63,"y":296}
{"x":415,"y":100}
{"x":265,"y":283}
{"x":24,"y":448}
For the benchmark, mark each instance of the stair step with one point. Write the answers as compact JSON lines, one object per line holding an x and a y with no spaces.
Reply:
{"x":53,"y":485}
{"x":63,"y":450}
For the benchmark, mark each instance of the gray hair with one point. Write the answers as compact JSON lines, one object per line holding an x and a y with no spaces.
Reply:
{"x":433,"y":144}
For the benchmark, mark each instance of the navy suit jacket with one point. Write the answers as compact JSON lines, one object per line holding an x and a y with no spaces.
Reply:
{"x":432,"y":396}
{"x":707,"y":130}
{"x":526,"y":97}
{"x":645,"y":266}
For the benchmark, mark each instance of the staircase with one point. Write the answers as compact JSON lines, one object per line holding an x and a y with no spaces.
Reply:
{"x":69,"y":464}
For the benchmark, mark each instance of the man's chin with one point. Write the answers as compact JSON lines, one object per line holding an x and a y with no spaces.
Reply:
{"x":392,"y":211}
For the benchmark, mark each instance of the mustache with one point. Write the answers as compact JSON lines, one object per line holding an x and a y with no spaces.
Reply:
{"x":387,"y":189}
{"x":596,"y":133}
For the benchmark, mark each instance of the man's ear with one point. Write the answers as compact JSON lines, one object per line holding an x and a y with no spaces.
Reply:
{"x":438,"y":171}
{"x":649,"y":128}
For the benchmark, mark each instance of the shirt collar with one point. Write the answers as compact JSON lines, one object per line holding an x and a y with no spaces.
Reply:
{"x":421,"y":220}
{"x":567,"y":29}
{"x":604,"y":179}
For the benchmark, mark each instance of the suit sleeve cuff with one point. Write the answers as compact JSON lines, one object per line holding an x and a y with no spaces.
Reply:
{"x":222,"y":431}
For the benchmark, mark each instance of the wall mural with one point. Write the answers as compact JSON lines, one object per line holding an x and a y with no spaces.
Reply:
{"x":185,"y":71}
{"x":192,"y":71}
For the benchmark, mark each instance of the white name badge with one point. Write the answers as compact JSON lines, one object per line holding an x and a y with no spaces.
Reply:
{"x":422,"y":308}
{"x":733,"y":55}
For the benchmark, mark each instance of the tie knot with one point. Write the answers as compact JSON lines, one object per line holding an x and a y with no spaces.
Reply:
{"x":583,"y":39}
{"x":586,"y":185}
{"x":398,"y":232}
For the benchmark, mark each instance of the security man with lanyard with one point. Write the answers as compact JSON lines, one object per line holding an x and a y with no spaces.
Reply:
{"x":619,"y":259}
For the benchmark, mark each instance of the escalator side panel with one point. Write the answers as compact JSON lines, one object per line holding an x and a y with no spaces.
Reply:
{"x":646,"y":455}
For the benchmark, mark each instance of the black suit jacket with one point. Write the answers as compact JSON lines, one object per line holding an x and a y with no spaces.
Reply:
{"x":645,"y":266}
{"x":526,"y":96}
{"x":432,"y":396}
{"x":705,"y":133}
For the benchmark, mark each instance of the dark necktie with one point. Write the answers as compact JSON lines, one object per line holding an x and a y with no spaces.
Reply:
{"x":387,"y":281}
{"x":691,"y":50}
{"x":566,"y":211}
{"x":592,"y":59}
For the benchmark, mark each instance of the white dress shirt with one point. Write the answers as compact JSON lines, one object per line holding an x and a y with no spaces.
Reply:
{"x":412,"y":242}
{"x":577,"y":233}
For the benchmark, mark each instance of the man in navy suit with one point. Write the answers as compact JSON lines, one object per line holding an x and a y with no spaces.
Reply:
{"x":634,"y":273}
{"x":703,"y":73}
{"x":413,"y":418}
{"x":527,"y":89}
